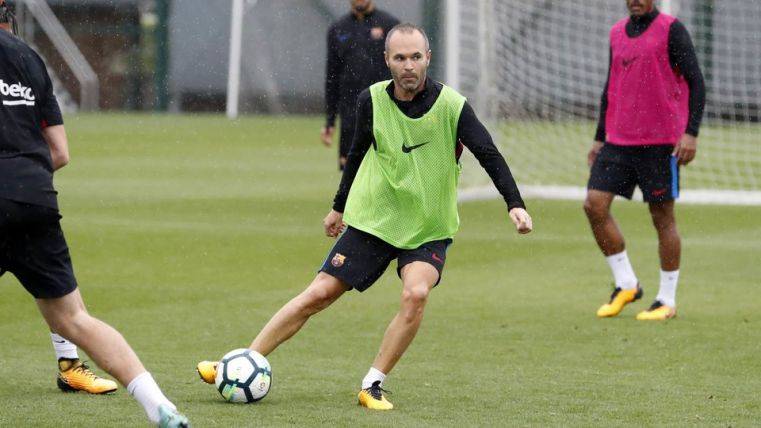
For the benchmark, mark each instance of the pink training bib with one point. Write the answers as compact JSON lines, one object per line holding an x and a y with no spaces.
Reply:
{"x":648,"y":102}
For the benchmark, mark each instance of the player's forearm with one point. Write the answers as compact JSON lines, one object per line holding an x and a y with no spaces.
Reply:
{"x":697,"y":100}
{"x":600,"y":133}
{"x":683,"y":58}
{"x":331,"y":102}
{"x":697,"y":105}
{"x":55,"y":137}
{"x":359,"y":148}
{"x":347,"y":179}
{"x":332,"y":81}
{"x":503,"y":180}
{"x":474,"y":135}
{"x":361,"y":142}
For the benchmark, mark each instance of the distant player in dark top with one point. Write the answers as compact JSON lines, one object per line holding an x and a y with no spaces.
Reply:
{"x":33,"y":144}
{"x":355,"y":61}
{"x":650,"y":114}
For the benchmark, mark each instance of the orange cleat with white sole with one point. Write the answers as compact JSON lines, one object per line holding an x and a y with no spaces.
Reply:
{"x":657,"y":312}
{"x":74,"y":375}
{"x":618,"y":300}
{"x":373,"y":398}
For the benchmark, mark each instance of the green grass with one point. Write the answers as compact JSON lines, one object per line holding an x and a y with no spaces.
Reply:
{"x":187,"y":233}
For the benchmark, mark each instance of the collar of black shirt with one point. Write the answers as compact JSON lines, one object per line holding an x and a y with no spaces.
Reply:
{"x":365,"y":16}
{"x":428,"y":89}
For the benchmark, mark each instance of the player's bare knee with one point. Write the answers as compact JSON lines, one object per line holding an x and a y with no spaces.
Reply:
{"x":415,"y":296}
{"x":315,"y":299}
{"x":413,"y":304}
{"x":663,"y":218}
{"x":596,"y":210}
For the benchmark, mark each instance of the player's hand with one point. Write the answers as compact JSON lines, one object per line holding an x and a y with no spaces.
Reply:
{"x":326,"y":136}
{"x":593,"y":152}
{"x":333,"y":223}
{"x":685,"y":149}
{"x":522,"y":220}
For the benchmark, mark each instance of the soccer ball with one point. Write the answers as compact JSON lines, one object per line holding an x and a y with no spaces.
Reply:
{"x":243,"y":376}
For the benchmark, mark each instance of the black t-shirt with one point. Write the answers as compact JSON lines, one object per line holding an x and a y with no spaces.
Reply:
{"x":355,"y":59}
{"x":471,"y":133}
{"x":28,"y":106}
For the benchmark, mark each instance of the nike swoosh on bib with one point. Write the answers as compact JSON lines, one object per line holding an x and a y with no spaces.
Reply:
{"x":407,"y":149}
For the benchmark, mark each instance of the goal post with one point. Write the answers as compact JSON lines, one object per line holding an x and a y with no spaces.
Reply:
{"x":534,"y":72}
{"x":233,"y":72}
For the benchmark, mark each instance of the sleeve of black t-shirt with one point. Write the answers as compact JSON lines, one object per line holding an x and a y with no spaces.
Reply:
{"x":474,"y":135}
{"x":683,"y":58}
{"x":600,"y":134}
{"x":363,"y":139}
{"x":50,"y":111}
{"x":332,"y":78}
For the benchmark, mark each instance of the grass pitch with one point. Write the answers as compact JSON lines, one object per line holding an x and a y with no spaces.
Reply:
{"x":187,"y":233}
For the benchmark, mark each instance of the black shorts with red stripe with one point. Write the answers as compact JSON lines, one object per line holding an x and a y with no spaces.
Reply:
{"x":619,"y":169}
{"x":359,"y":259}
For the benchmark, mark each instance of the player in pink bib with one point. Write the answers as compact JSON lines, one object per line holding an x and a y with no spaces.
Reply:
{"x":650,"y":116}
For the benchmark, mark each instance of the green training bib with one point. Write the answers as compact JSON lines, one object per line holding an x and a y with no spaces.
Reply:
{"x":405,"y":191}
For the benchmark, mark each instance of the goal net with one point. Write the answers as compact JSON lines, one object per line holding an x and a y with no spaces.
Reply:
{"x":534,"y":71}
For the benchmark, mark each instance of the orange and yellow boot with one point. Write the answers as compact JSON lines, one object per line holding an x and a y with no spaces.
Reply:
{"x":74,"y":375}
{"x":207,"y":370}
{"x":618,"y":300}
{"x":373,"y":398}
{"x":657,"y":312}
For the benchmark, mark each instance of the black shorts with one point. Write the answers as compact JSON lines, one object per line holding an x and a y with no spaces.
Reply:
{"x":32,"y":247}
{"x":618,"y":169}
{"x":359,"y":258}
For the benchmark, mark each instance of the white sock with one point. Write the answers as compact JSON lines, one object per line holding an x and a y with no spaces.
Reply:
{"x":667,"y":292}
{"x":63,"y":348}
{"x":147,"y":393}
{"x":372,"y":376}
{"x":623,"y":273}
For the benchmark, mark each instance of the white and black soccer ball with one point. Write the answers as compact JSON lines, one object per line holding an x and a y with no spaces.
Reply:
{"x":243,"y":376}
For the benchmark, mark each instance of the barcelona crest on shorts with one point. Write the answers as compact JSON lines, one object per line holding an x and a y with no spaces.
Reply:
{"x":338,"y":260}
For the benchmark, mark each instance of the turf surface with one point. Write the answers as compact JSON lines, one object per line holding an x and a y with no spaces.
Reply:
{"x":187,"y":233}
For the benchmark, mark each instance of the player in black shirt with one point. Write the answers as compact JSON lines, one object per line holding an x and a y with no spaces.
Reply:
{"x":33,"y":144}
{"x":355,"y":61}
{"x":72,"y":373}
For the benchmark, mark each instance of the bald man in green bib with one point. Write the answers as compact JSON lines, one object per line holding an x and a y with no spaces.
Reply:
{"x":397,"y":200}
